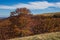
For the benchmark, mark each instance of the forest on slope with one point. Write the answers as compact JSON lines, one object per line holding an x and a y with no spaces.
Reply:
{"x":22,"y":23}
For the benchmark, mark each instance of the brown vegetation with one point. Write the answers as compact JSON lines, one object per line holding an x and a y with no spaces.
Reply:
{"x":25,"y":24}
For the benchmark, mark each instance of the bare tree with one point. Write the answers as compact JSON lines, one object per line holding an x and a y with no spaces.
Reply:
{"x":12,"y":13}
{"x":20,"y":11}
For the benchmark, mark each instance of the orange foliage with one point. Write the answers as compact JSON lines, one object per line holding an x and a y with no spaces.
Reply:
{"x":27,"y":24}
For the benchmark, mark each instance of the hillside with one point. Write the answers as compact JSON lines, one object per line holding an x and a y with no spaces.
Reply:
{"x":26,"y":24}
{"x":46,"y":36}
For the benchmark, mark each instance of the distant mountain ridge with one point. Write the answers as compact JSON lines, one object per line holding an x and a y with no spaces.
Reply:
{"x":3,"y":17}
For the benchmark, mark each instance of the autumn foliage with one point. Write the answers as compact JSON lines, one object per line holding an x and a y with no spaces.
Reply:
{"x":22,"y":23}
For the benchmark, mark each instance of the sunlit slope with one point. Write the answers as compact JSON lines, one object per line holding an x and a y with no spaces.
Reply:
{"x":46,"y":36}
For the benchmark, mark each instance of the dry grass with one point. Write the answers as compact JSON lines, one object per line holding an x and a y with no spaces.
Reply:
{"x":46,"y":36}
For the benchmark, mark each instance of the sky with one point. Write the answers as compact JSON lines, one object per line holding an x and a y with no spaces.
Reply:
{"x":35,"y":6}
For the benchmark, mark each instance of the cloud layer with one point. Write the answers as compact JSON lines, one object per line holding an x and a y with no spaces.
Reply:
{"x":32,"y":5}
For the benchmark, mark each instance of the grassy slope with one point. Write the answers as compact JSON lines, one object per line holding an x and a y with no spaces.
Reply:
{"x":46,"y":36}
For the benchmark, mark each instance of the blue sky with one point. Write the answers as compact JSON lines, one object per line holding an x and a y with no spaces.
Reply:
{"x":36,"y":6}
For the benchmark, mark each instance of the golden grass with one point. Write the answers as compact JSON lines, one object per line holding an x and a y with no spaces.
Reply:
{"x":46,"y":36}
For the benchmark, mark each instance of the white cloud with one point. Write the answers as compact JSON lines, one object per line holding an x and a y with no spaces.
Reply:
{"x":57,"y":4}
{"x":32,"y":5}
{"x":6,"y":7}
